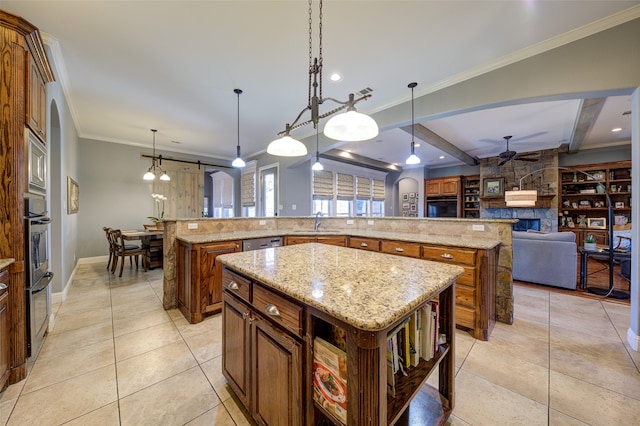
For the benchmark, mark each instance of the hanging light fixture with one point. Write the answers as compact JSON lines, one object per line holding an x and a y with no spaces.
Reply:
{"x":151,"y":171}
{"x":238,"y":162}
{"x":413,"y":158}
{"x":347,"y":126}
{"x":317,"y":166}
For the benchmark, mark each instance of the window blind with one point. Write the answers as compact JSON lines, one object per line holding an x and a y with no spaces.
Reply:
{"x":378,"y":189}
{"x":323,"y":184}
{"x":345,"y":185}
{"x":248,"y":189}
{"x":363,"y":187}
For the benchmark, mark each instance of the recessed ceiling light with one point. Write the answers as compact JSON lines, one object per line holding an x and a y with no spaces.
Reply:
{"x":176,"y":142}
{"x":441,"y":157}
{"x":335,"y":77}
{"x":616,"y":129}
{"x":416,"y":144}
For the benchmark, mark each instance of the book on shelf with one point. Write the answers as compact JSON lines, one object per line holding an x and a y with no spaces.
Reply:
{"x":330,"y":378}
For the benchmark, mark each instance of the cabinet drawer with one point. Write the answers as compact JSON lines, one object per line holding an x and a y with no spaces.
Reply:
{"x":448,"y":254}
{"x":468,"y":277}
{"x":278,"y":309}
{"x":465,"y":317}
{"x":364,"y":243}
{"x":400,"y":248}
{"x":236,"y":284}
{"x":465,"y":296}
{"x":332,"y":240}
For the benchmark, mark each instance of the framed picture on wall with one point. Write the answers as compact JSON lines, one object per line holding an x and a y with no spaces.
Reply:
{"x":405,"y":196}
{"x":73,"y":196}
{"x":493,"y":187}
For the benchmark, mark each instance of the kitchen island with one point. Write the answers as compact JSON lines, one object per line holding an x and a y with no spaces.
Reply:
{"x":277,"y":301}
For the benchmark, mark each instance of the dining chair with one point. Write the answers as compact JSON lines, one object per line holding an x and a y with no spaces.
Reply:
{"x":122,"y":251}
{"x":107,"y":230}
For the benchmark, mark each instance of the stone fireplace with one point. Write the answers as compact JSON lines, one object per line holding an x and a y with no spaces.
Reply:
{"x":545,"y":213}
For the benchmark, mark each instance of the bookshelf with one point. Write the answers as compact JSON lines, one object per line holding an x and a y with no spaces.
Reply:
{"x":471,"y":196}
{"x":582,"y":204}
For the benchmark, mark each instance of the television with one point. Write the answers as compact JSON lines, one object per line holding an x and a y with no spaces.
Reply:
{"x":442,"y":208}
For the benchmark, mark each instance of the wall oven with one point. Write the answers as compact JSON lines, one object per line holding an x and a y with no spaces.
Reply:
{"x":38,"y":275}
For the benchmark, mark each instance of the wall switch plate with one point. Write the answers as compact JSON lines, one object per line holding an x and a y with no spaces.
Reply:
{"x":262,"y":222}
{"x":350,"y":222}
{"x":293,"y":206}
{"x":192,"y":226}
{"x":477,"y":227}
{"x":369,"y":222}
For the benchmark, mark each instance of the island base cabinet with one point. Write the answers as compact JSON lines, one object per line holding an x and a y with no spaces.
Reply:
{"x":5,"y":326}
{"x":262,"y":365}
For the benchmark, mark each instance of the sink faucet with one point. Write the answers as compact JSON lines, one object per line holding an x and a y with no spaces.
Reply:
{"x":317,"y":224}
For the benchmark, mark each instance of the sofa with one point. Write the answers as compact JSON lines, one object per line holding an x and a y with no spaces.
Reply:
{"x":545,"y":258}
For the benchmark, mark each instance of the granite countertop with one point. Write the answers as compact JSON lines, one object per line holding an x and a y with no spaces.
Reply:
{"x":6,"y":262}
{"x":448,"y":240}
{"x":366,"y":289}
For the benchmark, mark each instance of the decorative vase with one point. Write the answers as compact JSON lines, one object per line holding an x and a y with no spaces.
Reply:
{"x":590,"y":246}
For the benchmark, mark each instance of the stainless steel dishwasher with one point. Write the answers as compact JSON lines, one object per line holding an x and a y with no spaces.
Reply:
{"x":261,"y":243}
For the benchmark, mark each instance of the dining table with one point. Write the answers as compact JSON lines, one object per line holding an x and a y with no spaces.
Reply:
{"x":152,"y":243}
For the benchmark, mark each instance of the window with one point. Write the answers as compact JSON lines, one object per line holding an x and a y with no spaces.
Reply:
{"x":377,"y":208}
{"x":362,"y":207}
{"x":322,"y":206}
{"x":269,"y":191}
{"x":323,"y":192}
{"x":344,"y":207}
{"x":248,"y":190}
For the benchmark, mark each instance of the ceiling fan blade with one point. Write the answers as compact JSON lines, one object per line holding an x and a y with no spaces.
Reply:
{"x":532,"y":135}
{"x":527,"y":154}
{"x":526,"y":159}
{"x":502,"y":162}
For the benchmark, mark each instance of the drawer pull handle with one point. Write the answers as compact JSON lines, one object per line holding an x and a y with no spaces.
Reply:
{"x":233,"y":286}
{"x":364,"y":245}
{"x":446,"y":256}
{"x":272,"y":310}
{"x":3,"y":286}
{"x":399,"y":249}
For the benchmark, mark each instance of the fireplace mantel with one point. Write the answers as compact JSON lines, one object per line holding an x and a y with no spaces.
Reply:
{"x":544,"y":202}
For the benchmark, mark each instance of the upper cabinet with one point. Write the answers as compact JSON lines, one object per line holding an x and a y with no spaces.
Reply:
{"x":36,"y":101}
{"x":442,"y":187}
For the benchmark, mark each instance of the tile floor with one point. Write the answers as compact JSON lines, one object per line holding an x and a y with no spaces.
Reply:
{"x":116,"y":357}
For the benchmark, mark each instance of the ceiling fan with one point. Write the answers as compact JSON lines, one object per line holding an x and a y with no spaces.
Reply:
{"x":509,"y":155}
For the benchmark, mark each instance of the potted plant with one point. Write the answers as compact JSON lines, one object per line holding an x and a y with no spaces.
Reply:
{"x":159,"y":198}
{"x":589,"y":243}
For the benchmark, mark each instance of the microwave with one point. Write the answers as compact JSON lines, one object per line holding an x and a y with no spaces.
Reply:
{"x":36,"y":164}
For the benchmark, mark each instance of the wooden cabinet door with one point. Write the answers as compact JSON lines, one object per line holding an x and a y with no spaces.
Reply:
{"x":236,"y":347}
{"x":211,"y":273}
{"x":433,"y":187}
{"x":450,"y":187}
{"x":290,"y":240}
{"x":37,"y":102}
{"x":364,"y":243}
{"x":4,"y":329}
{"x":276,"y":376}
{"x":333,"y":240}
{"x":400,"y":248}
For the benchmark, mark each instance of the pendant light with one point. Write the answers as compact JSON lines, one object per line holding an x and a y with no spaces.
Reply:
{"x":151,"y":171}
{"x":238,"y":162}
{"x":348,"y":126}
{"x":317,"y":166}
{"x":413,"y":158}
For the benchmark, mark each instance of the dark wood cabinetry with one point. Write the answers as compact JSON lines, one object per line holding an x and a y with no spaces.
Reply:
{"x":22,"y":54}
{"x":199,"y":278}
{"x":442,"y":187}
{"x":5,"y":366}
{"x":334,"y":240}
{"x":583,"y":204}
{"x":442,"y":190}
{"x":37,"y":102}
{"x":262,"y":359}
{"x":400,"y":248}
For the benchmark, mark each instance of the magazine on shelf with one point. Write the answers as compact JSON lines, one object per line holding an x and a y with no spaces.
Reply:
{"x":330,"y":378}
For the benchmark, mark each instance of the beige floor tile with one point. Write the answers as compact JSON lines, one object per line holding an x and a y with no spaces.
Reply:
{"x":77,"y":338}
{"x":238,"y":412}
{"x":205,"y":345}
{"x":522,"y":340}
{"x":151,"y":367}
{"x":177,"y":400}
{"x":464,"y":343}
{"x":217,"y":416}
{"x":602,"y":363}
{"x":139,"y":320}
{"x":211,"y":324}
{"x":499,"y":367}
{"x":6,"y":407}
{"x":592,"y":404}
{"x":69,"y":364}
{"x":531,"y":309}
{"x":108,"y":415}
{"x":144,"y":340}
{"x":72,"y":321}
{"x":480,"y":402}
{"x":454,"y":421}
{"x":213,"y":370}
{"x":556,"y":418}
{"x":66,"y":400}
{"x":12,"y":391}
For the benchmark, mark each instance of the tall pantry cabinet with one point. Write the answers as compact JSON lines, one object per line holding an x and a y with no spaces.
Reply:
{"x":24,"y":72}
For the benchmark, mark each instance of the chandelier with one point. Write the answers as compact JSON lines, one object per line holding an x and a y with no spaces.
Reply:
{"x":348,"y":126}
{"x":153,"y":170}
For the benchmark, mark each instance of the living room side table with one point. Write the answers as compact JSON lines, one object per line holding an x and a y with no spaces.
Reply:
{"x":601,"y":254}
